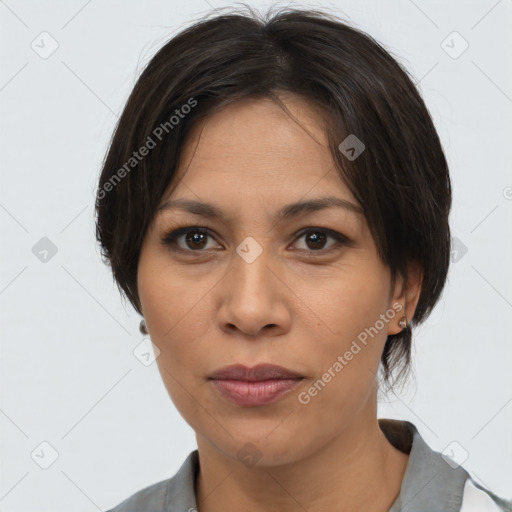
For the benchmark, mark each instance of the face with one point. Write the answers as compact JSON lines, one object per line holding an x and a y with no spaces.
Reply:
{"x":305,"y":291}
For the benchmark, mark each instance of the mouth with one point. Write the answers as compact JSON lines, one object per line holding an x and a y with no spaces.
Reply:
{"x":257,"y":373}
{"x":256,"y":386}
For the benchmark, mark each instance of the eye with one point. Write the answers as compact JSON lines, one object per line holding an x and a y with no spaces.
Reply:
{"x":193,"y":238}
{"x":315,"y":239}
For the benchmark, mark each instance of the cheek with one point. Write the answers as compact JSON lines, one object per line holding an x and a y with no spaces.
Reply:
{"x":178,"y":312}
{"x":174,"y":300}
{"x":176,"y":368}
{"x":346,"y":354}
{"x":346,"y":300}
{"x":178,"y":328}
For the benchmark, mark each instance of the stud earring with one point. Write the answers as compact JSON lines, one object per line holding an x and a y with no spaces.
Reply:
{"x":403,"y":323}
{"x":143,"y":327}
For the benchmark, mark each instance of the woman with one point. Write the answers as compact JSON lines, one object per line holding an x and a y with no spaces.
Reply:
{"x":275,"y":204}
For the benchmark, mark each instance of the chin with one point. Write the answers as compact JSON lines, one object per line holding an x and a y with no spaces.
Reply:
{"x":262,"y":447}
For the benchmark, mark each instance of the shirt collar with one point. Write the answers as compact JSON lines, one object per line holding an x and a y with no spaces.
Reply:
{"x":429,"y":483}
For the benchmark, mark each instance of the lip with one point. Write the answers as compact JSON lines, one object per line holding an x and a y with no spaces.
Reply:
{"x":251,"y":387}
{"x":256,"y":373}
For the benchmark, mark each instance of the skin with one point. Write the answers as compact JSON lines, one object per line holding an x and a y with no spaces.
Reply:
{"x":294,"y":306}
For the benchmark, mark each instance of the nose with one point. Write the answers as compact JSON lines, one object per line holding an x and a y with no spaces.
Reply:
{"x":255,"y":300}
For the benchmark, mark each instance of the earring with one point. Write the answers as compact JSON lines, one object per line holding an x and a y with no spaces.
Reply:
{"x":403,"y":323}
{"x":143,"y":327}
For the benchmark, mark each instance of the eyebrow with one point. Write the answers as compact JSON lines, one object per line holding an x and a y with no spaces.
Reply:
{"x":286,"y":212}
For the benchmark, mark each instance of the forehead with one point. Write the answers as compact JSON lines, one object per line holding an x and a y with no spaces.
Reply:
{"x":252,"y":158}
{"x":255,"y":140}
{"x":251,"y":164}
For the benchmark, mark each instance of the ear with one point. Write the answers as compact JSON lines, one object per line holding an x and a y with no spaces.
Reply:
{"x":405,"y":296}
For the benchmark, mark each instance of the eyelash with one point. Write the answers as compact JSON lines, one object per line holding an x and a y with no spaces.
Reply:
{"x":169,"y":239}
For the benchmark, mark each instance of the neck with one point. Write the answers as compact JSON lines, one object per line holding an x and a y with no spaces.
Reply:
{"x":338,"y":477}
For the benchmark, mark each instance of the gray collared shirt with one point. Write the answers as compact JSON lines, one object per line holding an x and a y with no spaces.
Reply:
{"x":430,"y":483}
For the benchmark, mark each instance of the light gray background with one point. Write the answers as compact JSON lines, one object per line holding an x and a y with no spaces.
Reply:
{"x":68,"y":373}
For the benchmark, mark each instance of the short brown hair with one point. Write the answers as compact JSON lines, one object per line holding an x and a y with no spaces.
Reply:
{"x":401,"y":179}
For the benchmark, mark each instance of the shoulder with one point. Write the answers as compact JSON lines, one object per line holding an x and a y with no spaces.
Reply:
{"x":175,"y":493}
{"x":149,"y":499}
{"x":435,"y":481}
{"x":476,"y":498}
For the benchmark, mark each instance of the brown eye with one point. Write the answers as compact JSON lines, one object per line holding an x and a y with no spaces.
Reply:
{"x":196,"y":239}
{"x":188,"y":239}
{"x":315,"y":240}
